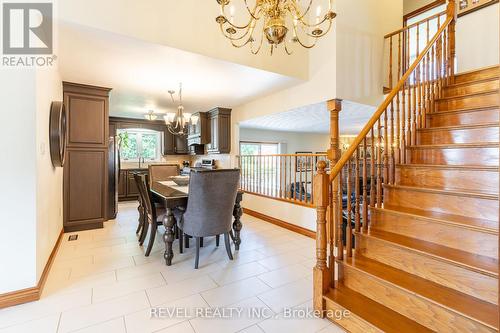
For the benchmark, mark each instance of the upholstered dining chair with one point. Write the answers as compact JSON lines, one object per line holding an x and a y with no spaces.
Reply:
{"x":161,"y":172}
{"x":152,"y":214}
{"x":209,"y":210}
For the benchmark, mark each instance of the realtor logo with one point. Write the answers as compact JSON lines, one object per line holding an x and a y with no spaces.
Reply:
{"x":27,"y":28}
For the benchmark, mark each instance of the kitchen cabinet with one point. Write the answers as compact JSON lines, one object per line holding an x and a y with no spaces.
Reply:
{"x":174,"y":144}
{"x":199,"y":133}
{"x":127,"y":188}
{"x":85,"y":172}
{"x":220,"y":131}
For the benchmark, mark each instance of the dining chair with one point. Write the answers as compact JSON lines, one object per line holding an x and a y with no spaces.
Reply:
{"x":161,"y":172}
{"x":153,"y":215}
{"x":209,"y":210}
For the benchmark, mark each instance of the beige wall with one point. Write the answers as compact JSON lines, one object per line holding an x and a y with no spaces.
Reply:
{"x":412,"y":5}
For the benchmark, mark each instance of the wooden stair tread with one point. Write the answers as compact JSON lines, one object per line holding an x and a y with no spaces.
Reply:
{"x":482,"y":195}
{"x":464,"y":110}
{"x":374,"y":313}
{"x":487,"y":92}
{"x":459,"y":127}
{"x":482,"y":264}
{"x":466,"y":83}
{"x":453,"y":300}
{"x":445,"y":166}
{"x":456,"y":145}
{"x":482,"y":225}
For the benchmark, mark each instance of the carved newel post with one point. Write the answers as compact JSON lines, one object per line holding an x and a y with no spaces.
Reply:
{"x":321,"y":273}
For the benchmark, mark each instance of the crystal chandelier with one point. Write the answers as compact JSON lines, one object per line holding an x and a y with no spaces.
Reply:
{"x":177,"y":122}
{"x":274,"y":19}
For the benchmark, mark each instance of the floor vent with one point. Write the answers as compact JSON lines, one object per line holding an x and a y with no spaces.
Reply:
{"x":72,"y":238}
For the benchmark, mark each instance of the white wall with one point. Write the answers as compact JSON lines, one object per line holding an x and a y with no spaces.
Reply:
{"x":361,"y":26}
{"x":292,"y":142}
{"x":18,"y":170}
{"x":294,"y":214}
{"x":31,"y":202}
{"x":477,"y":39}
{"x":477,"y":36}
{"x":49,"y":221}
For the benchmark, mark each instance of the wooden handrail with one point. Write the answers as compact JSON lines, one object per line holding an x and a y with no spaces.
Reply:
{"x":408,"y":27}
{"x":388,"y":100}
{"x":309,"y":155}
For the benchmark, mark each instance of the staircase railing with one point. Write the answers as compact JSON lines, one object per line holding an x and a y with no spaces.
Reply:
{"x":357,"y":179}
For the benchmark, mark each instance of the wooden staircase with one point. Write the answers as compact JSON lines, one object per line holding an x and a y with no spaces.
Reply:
{"x":408,"y":217}
{"x":429,"y":259}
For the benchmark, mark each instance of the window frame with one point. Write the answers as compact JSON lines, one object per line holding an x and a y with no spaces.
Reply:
{"x":139,"y":132}
{"x":260,"y":143}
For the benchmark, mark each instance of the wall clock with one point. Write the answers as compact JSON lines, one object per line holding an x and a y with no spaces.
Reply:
{"x":57,"y":133}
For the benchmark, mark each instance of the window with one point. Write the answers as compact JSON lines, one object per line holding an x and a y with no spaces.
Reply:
{"x":258,"y":148}
{"x":140,"y":143}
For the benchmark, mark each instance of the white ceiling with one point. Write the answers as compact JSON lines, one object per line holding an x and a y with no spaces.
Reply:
{"x":141,"y":73}
{"x":314,"y":119}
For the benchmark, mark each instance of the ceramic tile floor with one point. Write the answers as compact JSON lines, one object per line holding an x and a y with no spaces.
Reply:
{"x":103,"y":283}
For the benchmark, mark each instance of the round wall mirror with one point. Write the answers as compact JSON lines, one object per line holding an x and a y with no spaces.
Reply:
{"x":57,"y":133}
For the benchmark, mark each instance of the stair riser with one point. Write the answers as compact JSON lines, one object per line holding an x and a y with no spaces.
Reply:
{"x":463,"y":118}
{"x":476,"y":101}
{"x":447,"y":274}
{"x":467,"y":135}
{"x":453,"y":179}
{"x":485,"y":156}
{"x":443,"y":203}
{"x":491,"y":72}
{"x":351,"y":323}
{"x":449,"y":235}
{"x":471,"y":88}
{"x":419,"y":309}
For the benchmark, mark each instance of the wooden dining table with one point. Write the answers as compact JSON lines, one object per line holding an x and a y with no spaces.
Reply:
{"x":174,"y":196}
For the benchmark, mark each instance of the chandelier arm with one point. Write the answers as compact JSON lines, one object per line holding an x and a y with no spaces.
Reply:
{"x":255,"y":16}
{"x":286,"y":49}
{"x":235,"y":38}
{"x":300,"y":42}
{"x":315,"y":25}
{"x":300,"y":14}
{"x":322,"y":34}
{"x":260,"y":44}
{"x":254,"y":10}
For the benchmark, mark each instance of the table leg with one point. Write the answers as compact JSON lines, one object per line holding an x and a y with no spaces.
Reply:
{"x":237,"y":213}
{"x":168,"y":236}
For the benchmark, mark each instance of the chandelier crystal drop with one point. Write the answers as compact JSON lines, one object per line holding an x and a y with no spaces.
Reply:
{"x":177,"y":122}
{"x":277,"y":21}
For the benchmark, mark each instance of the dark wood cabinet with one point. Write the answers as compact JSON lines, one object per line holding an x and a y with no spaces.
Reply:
{"x":85,"y":185}
{"x":122,"y":184}
{"x":220,"y":131}
{"x":168,"y":143}
{"x":113,"y":167}
{"x":199,"y":133}
{"x":127,"y":189}
{"x":181,"y":145}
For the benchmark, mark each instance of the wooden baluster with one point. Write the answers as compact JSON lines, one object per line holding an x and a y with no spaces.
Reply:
{"x":391,"y":162}
{"x":428,"y":79}
{"x":365,"y":187}
{"x":348,"y":242}
{"x":398,"y":108}
{"x":387,"y":149}
{"x":321,"y":273}
{"x":451,"y":11}
{"x":356,"y":191}
{"x":403,"y":124}
{"x":418,"y":87}
{"x":379,"y":165}
{"x":433,"y":77}
{"x":390,"y":63}
{"x":373,"y":165}
{"x":340,"y":219}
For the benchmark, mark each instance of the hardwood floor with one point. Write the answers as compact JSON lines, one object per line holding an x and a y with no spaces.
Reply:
{"x":429,"y":260}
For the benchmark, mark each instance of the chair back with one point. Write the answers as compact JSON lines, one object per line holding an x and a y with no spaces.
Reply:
{"x":212,"y":194}
{"x":162,"y":172}
{"x":144,"y":194}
